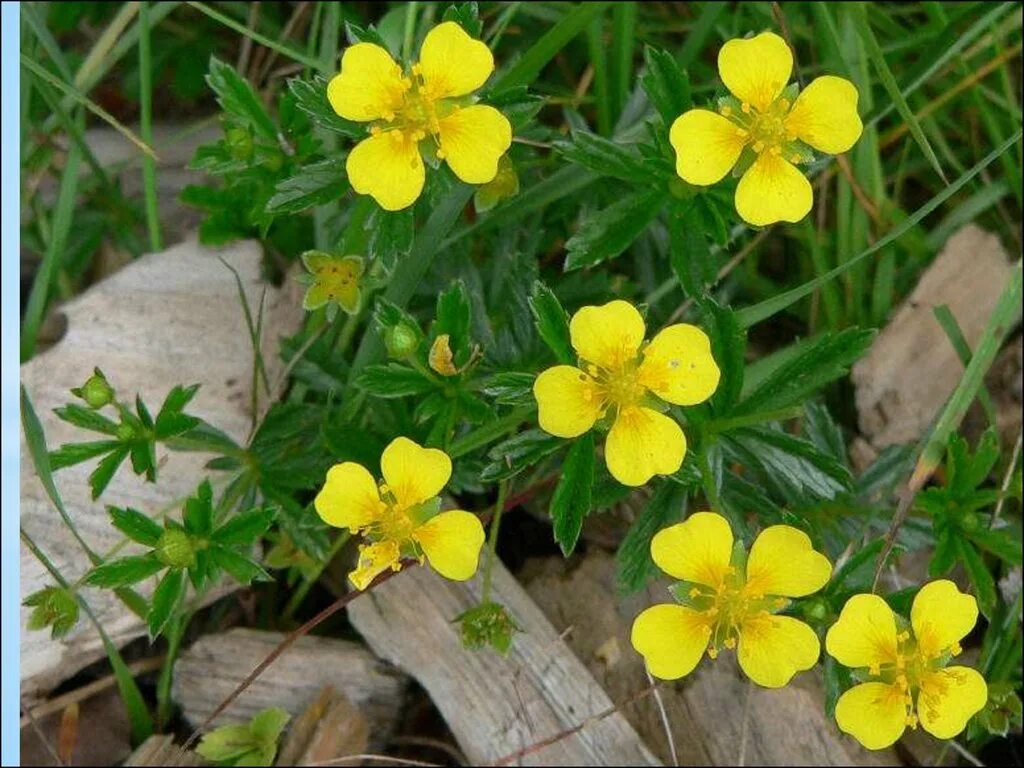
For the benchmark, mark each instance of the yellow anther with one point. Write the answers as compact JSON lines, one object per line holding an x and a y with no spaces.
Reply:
{"x":912,"y":721}
{"x":375,"y":130}
{"x":745,"y":107}
{"x":712,"y":652}
{"x":758,"y":146}
{"x":903,"y":636}
{"x":874,"y":669}
{"x":955,"y":649}
{"x":783,"y":104}
{"x":694,"y":592}
{"x":730,"y":642}
{"x":725,"y":111}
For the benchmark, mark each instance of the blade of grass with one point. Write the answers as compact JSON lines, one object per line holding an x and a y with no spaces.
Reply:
{"x":525,"y":70}
{"x":599,"y":63}
{"x":623,"y":46}
{"x":273,"y":45}
{"x":88,"y":103}
{"x":138,"y":715}
{"x":761,"y":311}
{"x":963,"y":350}
{"x":699,"y":34}
{"x":330,"y":34}
{"x":146,"y":127}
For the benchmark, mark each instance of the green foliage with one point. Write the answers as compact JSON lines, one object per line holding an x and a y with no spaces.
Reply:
{"x":254,"y":743}
{"x":485,"y":625}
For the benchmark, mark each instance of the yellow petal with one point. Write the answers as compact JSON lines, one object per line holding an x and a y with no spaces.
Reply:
{"x":452,"y":63}
{"x":609,"y":335}
{"x":707,"y":146}
{"x":671,"y":639}
{"x":825,"y":115}
{"x":413,"y":473}
{"x":374,"y":559}
{"x":774,"y":648}
{"x":472,"y":141}
{"x":864,"y":635}
{"x":678,"y":367}
{"x":451,"y":541}
{"x":783,"y":562}
{"x":370,"y":85}
{"x":349,"y":498}
{"x":697,"y":549}
{"x":773,"y":190}
{"x":756,"y":70}
{"x":948,"y":699}
{"x":315,"y":297}
{"x":941,"y":616}
{"x":388,"y":167}
{"x":568,"y":401}
{"x":643,"y":443}
{"x":875,"y":714}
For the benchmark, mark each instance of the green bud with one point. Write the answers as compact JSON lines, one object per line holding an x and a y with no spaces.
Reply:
{"x":401,"y":341}
{"x":274,"y":162}
{"x":487,"y":624}
{"x":96,"y":392}
{"x":969,"y":521}
{"x":124,"y":432}
{"x":816,"y":609}
{"x":239,"y":143}
{"x":175,"y":549}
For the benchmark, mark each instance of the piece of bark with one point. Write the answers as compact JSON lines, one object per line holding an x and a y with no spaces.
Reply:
{"x":213,"y":666}
{"x":496,"y":705}
{"x":706,"y":711}
{"x":328,"y":729}
{"x":912,"y":368}
{"x":160,"y":750}
{"x":102,"y":736}
{"x":168,"y":318}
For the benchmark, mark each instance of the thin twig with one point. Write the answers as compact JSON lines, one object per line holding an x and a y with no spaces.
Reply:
{"x":664,"y":720}
{"x":284,"y":645}
{"x":1006,"y":482}
{"x":42,"y":737}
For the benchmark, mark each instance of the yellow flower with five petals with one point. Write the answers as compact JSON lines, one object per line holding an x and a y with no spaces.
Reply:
{"x":729,"y":604}
{"x":629,"y":383}
{"x":335,"y":280}
{"x":399,"y":517}
{"x":766,"y":130}
{"x":429,"y":109}
{"x":904,"y":666}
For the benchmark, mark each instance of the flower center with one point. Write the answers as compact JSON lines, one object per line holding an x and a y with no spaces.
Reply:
{"x":731,"y":607}
{"x":336,"y":278}
{"x":915,"y":672}
{"x":620,"y":387}
{"x":392,"y":523}
{"x":420,"y":113}
{"x":764,"y":131}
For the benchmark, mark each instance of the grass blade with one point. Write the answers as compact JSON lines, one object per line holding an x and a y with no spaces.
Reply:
{"x":284,"y":50}
{"x":146,"y":127}
{"x":963,"y":350}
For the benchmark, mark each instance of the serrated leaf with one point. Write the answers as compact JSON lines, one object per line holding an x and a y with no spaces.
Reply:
{"x":552,"y":322}
{"x":980,"y":576}
{"x":70,"y":454}
{"x":165,"y":599}
{"x":606,"y":157}
{"x":135,"y":525}
{"x":791,"y":461}
{"x":242,"y":569}
{"x":311,"y":185}
{"x":237,"y":98}
{"x":244,"y":528}
{"x":728,"y":347}
{"x":518,"y":453}
{"x":510,"y":388}
{"x":666,"y":85}
{"x":571,"y":500}
{"x":1004,"y":543}
{"x":124,"y":571}
{"x":453,"y":316}
{"x":690,"y":250}
{"x":822,"y":430}
{"x":634,"y":563}
{"x":393,"y":380}
{"x":104,"y":472}
{"x":390,"y":234}
{"x":311,"y":97}
{"x":198,"y":513}
{"x":86,"y":418}
{"x":605,"y":234}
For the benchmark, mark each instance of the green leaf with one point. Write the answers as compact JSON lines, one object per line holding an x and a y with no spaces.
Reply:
{"x":857,"y":573}
{"x":313,"y":184}
{"x":124,"y":571}
{"x":790,"y":461}
{"x":822,"y":430}
{"x":225,"y":745}
{"x":571,"y":500}
{"x":635,"y":566}
{"x":690,"y":252}
{"x":728,"y":347}
{"x":467,"y":16}
{"x":453,"y":316}
{"x":86,"y":418}
{"x":518,"y":453}
{"x":818,"y":364}
{"x":135,"y":525}
{"x":54,"y":607}
{"x":1004,"y":543}
{"x":244,"y":528}
{"x":666,"y":85}
{"x":510,"y":388}
{"x":104,"y":472}
{"x":241,"y":568}
{"x":237,"y":98}
{"x":605,"y":234}
{"x":605,"y":157}
{"x":198,"y":513}
{"x":390,"y":234}
{"x":838,"y":680}
{"x":311,"y":97}
{"x":946,"y":551}
{"x":166,"y":597}
{"x":393,"y":380}
{"x":552,"y":322}
{"x":70,"y":454}
{"x":525,"y":70}
{"x":980,"y":576}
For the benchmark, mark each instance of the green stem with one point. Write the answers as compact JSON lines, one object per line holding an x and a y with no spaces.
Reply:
{"x":492,"y":542}
{"x":410,"y":30}
{"x":708,"y":477}
{"x":489,"y":432}
{"x":307,"y":582}
{"x":146,"y":127}
{"x":174,"y":633}
{"x":717,"y":426}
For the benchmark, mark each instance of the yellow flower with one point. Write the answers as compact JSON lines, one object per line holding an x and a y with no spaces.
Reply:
{"x":630,"y":383}
{"x":399,"y":517}
{"x":904,"y":665}
{"x":765,"y":129}
{"x":728,"y":605}
{"x":335,"y":279}
{"x":429,"y":105}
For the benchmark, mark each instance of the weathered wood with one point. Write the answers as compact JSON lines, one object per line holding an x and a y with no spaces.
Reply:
{"x":329,"y":728}
{"x":167,"y":318}
{"x":161,"y":750}
{"x":495,"y":705}
{"x":213,"y":666}
{"x":912,"y":368}
{"x":707,"y":710}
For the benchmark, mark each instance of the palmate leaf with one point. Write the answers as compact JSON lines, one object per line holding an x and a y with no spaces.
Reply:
{"x":238,"y":99}
{"x":311,"y":185}
{"x":605,"y":234}
{"x":552,"y":322}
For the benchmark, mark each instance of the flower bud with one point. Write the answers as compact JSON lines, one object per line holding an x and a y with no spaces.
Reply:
{"x":401,"y":341}
{"x":96,"y":392}
{"x":175,"y":549}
